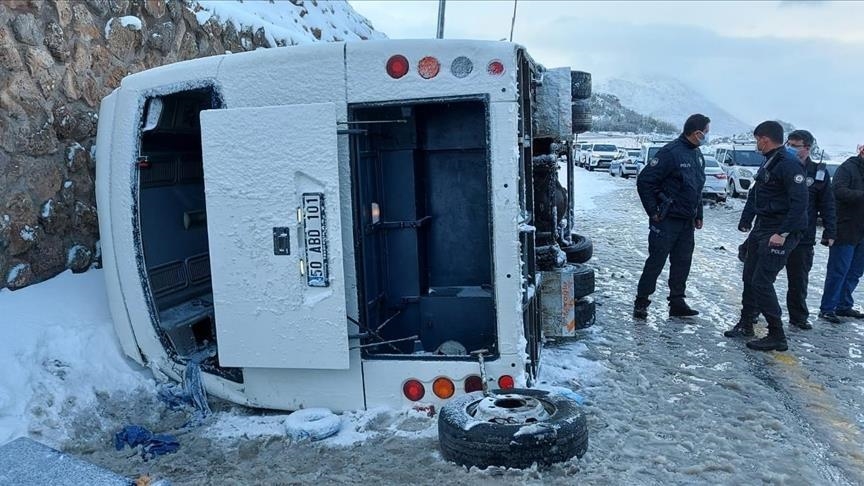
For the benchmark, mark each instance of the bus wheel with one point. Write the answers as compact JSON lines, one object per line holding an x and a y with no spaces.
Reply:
{"x":580,"y":251}
{"x":512,"y":428}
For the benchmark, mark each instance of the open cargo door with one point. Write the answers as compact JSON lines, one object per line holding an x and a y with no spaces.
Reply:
{"x":273,"y":218}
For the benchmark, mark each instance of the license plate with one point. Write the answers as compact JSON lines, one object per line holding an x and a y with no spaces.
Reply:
{"x":315,"y":236}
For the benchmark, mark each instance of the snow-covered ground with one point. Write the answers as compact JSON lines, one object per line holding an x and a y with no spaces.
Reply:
{"x":668,"y":402}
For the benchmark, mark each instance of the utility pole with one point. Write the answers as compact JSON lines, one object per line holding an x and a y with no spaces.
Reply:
{"x":513,"y":22}
{"x":440,"y":19}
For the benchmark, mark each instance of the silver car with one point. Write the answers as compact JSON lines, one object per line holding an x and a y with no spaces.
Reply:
{"x":715,"y":180}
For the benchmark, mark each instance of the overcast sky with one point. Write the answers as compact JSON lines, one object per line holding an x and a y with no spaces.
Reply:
{"x":800,"y":61}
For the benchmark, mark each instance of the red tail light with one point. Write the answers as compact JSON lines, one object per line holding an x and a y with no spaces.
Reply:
{"x":428,"y":67}
{"x":721,"y":175}
{"x":397,"y":66}
{"x":495,"y":68}
{"x":413,"y":390}
{"x":506,"y":382}
{"x":473,"y":383}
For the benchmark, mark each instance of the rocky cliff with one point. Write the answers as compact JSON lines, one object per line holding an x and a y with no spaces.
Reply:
{"x":59,"y":58}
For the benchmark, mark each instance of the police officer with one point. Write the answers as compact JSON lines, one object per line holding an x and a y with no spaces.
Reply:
{"x":820,"y":205}
{"x":670,"y":187}
{"x":778,"y":201}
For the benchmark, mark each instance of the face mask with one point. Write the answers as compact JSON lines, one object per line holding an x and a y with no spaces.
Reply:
{"x":704,"y":140}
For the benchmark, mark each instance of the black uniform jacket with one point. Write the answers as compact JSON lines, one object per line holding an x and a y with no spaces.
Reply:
{"x":779,"y":196}
{"x":671,"y":183}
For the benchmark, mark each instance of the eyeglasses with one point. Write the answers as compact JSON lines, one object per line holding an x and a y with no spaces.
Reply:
{"x":796,"y":146}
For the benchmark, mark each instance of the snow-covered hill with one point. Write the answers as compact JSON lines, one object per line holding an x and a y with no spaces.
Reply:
{"x":290,"y":22}
{"x":670,"y":100}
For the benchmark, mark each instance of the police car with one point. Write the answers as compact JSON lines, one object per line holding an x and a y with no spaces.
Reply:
{"x":627,"y":165}
{"x":741,"y":162}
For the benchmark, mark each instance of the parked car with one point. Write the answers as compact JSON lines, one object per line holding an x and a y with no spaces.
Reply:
{"x":740,"y":162}
{"x":648,"y":151}
{"x":579,"y":150}
{"x":626,"y":165}
{"x":582,"y":161}
{"x":601,"y":155}
{"x":715,"y":180}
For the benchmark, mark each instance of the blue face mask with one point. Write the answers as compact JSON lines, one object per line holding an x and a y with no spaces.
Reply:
{"x":704,"y":139}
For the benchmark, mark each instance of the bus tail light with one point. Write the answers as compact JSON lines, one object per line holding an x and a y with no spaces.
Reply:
{"x":495,"y":67}
{"x":506,"y":382}
{"x":428,"y":67}
{"x":413,"y":390}
{"x":397,"y":66}
{"x":443,"y":388}
{"x":473,"y":383}
{"x":461,"y":67}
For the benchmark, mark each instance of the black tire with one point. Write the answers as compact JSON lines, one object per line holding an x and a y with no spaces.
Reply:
{"x":580,"y":85}
{"x":583,"y":280}
{"x":580,"y":251}
{"x":485,"y":444}
{"x":584,"y":313}
{"x":581,"y":116}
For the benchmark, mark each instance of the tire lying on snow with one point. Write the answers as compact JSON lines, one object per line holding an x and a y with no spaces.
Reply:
{"x":511,"y":428}
{"x":312,"y":424}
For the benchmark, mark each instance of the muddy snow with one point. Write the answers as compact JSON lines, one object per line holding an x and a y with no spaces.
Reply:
{"x":668,"y":401}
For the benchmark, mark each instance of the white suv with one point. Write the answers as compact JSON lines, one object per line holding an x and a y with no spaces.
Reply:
{"x":741,"y":162}
{"x":600,"y":155}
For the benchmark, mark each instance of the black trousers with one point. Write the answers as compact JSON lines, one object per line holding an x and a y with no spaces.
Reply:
{"x":671,"y":238}
{"x":798,"y":273}
{"x":761,"y":267}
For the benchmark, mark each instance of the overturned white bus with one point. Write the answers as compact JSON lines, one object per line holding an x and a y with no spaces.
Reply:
{"x":335,"y":225}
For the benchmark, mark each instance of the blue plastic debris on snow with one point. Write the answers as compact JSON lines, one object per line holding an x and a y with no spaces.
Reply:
{"x":190,"y":394}
{"x":194,"y":387}
{"x":152,"y":444}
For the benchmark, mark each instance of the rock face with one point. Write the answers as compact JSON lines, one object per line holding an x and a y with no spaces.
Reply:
{"x":58,"y":59}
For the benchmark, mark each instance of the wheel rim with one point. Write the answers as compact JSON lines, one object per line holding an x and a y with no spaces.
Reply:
{"x":513,"y":409}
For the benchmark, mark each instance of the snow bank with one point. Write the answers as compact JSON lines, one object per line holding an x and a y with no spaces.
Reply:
{"x":57,"y":353}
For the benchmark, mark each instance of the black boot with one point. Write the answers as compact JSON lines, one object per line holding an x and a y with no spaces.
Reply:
{"x":679,"y":308}
{"x":640,"y":308}
{"x":855,"y":313}
{"x":801,"y":324}
{"x":744,"y":328}
{"x":774,"y":341}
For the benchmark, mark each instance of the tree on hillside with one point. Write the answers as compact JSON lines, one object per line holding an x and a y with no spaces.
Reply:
{"x":610,"y":115}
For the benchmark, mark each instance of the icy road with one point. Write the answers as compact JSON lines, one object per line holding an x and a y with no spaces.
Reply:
{"x":669,"y":401}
